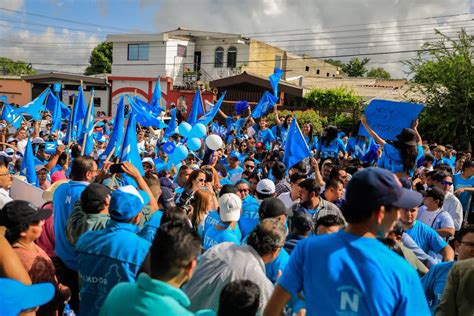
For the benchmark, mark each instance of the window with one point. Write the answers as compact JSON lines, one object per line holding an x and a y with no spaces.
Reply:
{"x":138,"y":51}
{"x":317,"y":71}
{"x":219,"y":58}
{"x":97,"y":102}
{"x":182,"y":49}
{"x":278,"y":61}
{"x":327,"y":74}
{"x":232,"y":57}
{"x":307,"y":68}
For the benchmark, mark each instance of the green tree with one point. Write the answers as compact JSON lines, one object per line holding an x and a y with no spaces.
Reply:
{"x":444,"y":72}
{"x":307,"y":116}
{"x":378,"y":72}
{"x":15,"y":67}
{"x":356,"y":67}
{"x":333,"y":103}
{"x":100,"y":60}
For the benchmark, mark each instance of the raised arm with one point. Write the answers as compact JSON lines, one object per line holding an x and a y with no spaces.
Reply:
{"x":376,"y":137}
{"x":419,"y":141}
{"x":225,"y":116}
{"x":277,"y":119}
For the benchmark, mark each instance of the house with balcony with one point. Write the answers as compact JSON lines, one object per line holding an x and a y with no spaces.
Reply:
{"x":185,"y":58}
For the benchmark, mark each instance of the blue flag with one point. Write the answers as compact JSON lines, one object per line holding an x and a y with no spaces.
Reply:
{"x":27,"y":168}
{"x":196,"y":109}
{"x":209,"y":116}
{"x":156,"y":97}
{"x":265,"y":104}
{"x":56,"y":118}
{"x":10,"y":115}
{"x":80,"y":112}
{"x":35,"y":107}
{"x":147,"y":107}
{"x":144,"y":117}
{"x":130,"y":149}
{"x":116,"y":137}
{"x":275,"y":79}
{"x":241,"y":106}
{"x":88,"y":128}
{"x":295,"y":146}
{"x":51,"y":106}
{"x":171,"y":129}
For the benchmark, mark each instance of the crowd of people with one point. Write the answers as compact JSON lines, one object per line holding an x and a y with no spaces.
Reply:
{"x":365,"y":226}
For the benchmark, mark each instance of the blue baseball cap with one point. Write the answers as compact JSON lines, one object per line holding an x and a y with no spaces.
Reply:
{"x":126,"y":202}
{"x":374,"y":187}
{"x":16,"y":297}
{"x":235,"y":154}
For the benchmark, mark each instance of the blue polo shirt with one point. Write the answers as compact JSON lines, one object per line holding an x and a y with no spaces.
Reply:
{"x":64,"y":198}
{"x":434,"y":282}
{"x":345,"y":274}
{"x":105,"y":258}
{"x":332,"y":149}
{"x":249,"y":217}
{"x":391,"y":159}
{"x":426,"y":237}
{"x":460,"y":182}
{"x":266,"y":137}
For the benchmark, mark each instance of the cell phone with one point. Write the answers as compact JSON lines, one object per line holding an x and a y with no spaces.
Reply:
{"x":116,"y":168}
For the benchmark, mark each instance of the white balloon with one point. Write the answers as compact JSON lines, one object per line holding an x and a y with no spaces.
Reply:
{"x":214,"y":142}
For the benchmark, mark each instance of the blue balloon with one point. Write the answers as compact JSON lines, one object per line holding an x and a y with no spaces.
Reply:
{"x":180,"y":152}
{"x":199,"y":131}
{"x":184,"y":129}
{"x":194,"y":143}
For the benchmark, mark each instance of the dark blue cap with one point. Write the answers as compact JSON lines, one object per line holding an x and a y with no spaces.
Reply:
{"x":373,"y":187}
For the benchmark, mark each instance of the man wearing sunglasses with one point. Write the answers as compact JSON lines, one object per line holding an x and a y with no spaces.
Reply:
{"x":451,"y":204}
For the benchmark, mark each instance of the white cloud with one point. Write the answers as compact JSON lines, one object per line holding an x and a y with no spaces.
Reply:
{"x":12,"y":5}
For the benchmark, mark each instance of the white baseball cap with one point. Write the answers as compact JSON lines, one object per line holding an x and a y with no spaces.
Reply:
{"x":230,"y":207}
{"x":148,"y":160}
{"x":266,"y":186}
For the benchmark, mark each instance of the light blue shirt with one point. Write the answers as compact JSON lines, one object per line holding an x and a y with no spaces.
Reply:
{"x":345,"y":274}
{"x":434,"y":282}
{"x":426,"y":238}
{"x":391,"y":159}
{"x":460,"y":182}
{"x":249,"y":217}
{"x":332,"y":149}
{"x":214,"y":236}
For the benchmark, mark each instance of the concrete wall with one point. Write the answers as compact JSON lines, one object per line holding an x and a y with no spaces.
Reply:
{"x":308,"y":67}
{"x":17,"y":91}
{"x":152,"y":67}
{"x":262,"y":58}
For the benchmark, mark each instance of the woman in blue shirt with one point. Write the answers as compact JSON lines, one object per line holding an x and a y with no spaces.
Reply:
{"x":330,"y":145}
{"x":281,"y":128}
{"x":308,"y":133}
{"x":401,"y":156}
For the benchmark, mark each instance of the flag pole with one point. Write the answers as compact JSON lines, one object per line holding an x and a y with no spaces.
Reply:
{"x":89,"y":109}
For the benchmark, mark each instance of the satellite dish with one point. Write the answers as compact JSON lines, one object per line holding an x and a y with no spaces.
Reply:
{"x":29,"y":66}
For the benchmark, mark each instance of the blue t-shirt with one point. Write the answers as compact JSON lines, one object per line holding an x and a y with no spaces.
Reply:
{"x":357,"y":147}
{"x":426,"y":238}
{"x":332,"y":149}
{"x":266,"y":137}
{"x":280,"y":133}
{"x":64,"y":199}
{"x":392,"y":160}
{"x":312,"y":143}
{"x":234,"y":125}
{"x":214,"y":236}
{"x":249,"y":217}
{"x":434,"y":282}
{"x":279,"y":264}
{"x":464,"y":197}
{"x":234,"y":175}
{"x":345,"y":274}
{"x":212,"y":219}
{"x":443,"y":160}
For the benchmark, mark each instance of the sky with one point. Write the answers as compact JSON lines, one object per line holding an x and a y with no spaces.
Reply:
{"x":60,"y":34}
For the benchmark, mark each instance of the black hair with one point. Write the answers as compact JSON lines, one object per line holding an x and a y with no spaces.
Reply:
{"x":12,"y":234}
{"x":239,"y":298}
{"x":329,"y":135}
{"x":299,"y":167}
{"x":297,"y":176}
{"x":75,"y":151}
{"x":398,"y":229}
{"x":439,"y":175}
{"x":333,"y":183}
{"x":459,"y":235}
{"x":408,"y":154}
{"x":262,"y":196}
{"x":172,"y":214}
{"x":267,"y":237}
{"x":310,"y":185}
{"x":279,"y":170}
{"x":328,"y":221}
{"x":467,"y":164}
{"x":175,"y":245}
{"x":80,"y":166}
{"x":334,"y":174}
{"x":392,"y":245}
{"x":228,"y":188}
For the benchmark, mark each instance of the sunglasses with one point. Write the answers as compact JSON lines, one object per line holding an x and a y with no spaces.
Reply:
{"x":243,"y":190}
{"x":446,"y":183}
{"x":201,"y":180}
{"x":249,"y":166}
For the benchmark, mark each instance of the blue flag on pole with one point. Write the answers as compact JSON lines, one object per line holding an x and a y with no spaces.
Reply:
{"x":265,"y":104}
{"x":35,"y":107}
{"x":10,"y":115}
{"x":196,"y":109}
{"x":27,"y":168}
{"x":116,"y":137}
{"x":51,"y":106}
{"x":88,"y":128}
{"x":56,"y":118}
{"x":147,"y":107}
{"x":171,"y":129}
{"x":80,"y":112}
{"x":295,"y":146}
{"x":144,"y":117}
{"x":275,"y":79}
{"x":156,"y":97}
{"x":209,"y":116}
{"x":130,"y":148}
